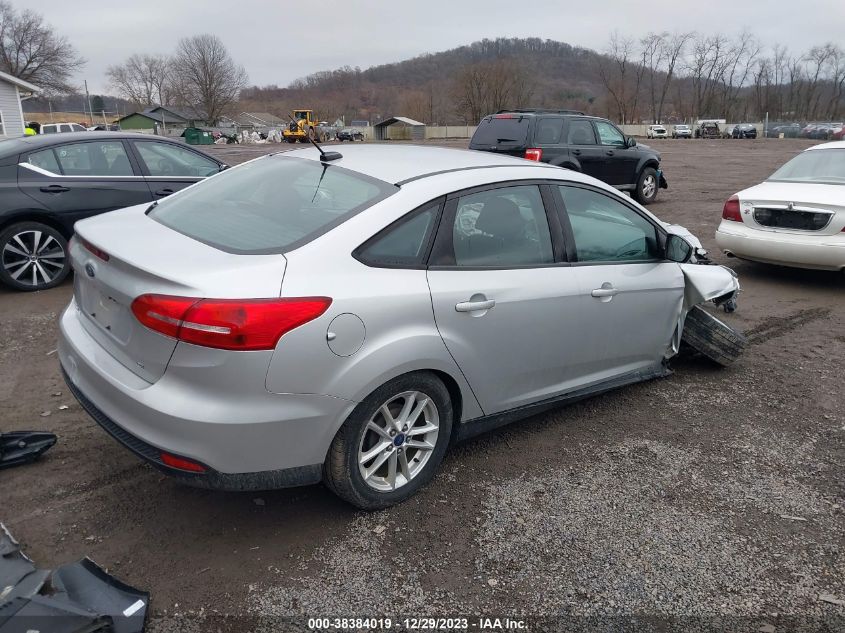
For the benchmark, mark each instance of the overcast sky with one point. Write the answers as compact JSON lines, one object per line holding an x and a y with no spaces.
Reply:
{"x":276,"y":50}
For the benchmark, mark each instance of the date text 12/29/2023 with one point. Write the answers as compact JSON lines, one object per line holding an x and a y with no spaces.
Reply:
{"x":481,"y":624}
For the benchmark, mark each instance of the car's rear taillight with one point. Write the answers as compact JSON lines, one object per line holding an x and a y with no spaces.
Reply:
{"x":534,"y":153}
{"x":234,"y":324}
{"x":731,"y":210}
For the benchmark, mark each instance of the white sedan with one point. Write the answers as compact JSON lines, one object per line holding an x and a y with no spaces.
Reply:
{"x":795,"y":218}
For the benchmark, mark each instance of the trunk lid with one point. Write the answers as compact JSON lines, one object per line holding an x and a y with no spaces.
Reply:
{"x":801,"y":208}
{"x":145,"y":257}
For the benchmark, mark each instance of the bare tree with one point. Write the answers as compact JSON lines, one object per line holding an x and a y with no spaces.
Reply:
{"x":672,"y":51}
{"x":32,"y":51}
{"x":614,"y":68}
{"x":205,"y":76}
{"x":142,"y":79}
{"x":483,"y":88}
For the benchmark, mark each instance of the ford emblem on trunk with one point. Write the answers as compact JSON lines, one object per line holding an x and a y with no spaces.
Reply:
{"x":89,"y":270}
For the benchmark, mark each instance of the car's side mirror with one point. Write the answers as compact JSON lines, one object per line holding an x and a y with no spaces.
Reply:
{"x":224,"y":167}
{"x":678,"y":249}
{"x":630,"y":142}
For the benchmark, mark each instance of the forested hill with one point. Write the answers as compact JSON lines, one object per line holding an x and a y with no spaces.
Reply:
{"x":433,"y":87}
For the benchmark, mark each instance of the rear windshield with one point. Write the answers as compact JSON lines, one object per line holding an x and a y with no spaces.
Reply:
{"x":270,"y":205}
{"x":818,"y":165}
{"x":501,"y":131}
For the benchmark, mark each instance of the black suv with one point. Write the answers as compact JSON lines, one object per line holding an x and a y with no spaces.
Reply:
{"x":570,"y":139}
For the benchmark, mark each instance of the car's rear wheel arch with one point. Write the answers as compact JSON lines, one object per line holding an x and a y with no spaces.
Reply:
{"x":35,"y":216}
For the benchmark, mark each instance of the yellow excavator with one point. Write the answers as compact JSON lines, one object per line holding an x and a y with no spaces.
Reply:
{"x":303,"y":125}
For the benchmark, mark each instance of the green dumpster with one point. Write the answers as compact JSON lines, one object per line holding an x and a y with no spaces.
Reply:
{"x":196,"y":136}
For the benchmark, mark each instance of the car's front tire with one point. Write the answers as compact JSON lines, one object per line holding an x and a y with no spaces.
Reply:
{"x":647,"y":186}
{"x":392,"y":443}
{"x":33,"y":256}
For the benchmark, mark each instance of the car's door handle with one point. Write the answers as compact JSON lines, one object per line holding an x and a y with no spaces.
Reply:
{"x":474,"y":306}
{"x":577,"y":152}
{"x":54,"y":189}
{"x":164,"y":192}
{"x":605,"y":292}
{"x":610,"y":152}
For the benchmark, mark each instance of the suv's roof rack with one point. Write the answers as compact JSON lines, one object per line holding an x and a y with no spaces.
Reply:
{"x":539,"y":111}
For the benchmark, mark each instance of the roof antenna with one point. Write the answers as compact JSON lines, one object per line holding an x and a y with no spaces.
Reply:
{"x":325,"y":157}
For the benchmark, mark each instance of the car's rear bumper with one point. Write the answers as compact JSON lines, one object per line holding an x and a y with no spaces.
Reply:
{"x":822,"y":252}
{"x":246,"y":438}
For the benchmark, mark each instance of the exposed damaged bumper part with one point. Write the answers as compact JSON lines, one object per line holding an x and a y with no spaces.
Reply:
{"x":22,"y":447}
{"x":73,"y":598}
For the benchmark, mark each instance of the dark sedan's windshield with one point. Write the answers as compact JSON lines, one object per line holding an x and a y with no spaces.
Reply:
{"x":270,"y":205}
{"x":816,"y":165}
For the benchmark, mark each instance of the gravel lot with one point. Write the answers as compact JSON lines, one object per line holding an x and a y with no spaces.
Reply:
{"x":713,"y":496}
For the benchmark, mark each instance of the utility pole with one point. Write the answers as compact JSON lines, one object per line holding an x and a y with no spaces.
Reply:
{"x":90,"y":113}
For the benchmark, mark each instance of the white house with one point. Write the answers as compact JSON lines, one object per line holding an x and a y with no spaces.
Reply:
{"x":12,"y":92}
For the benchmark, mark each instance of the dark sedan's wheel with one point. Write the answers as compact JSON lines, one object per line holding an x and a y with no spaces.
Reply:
{"x":33,"y":256}
{"x":647,"y":186}
{"x":392,"y":443}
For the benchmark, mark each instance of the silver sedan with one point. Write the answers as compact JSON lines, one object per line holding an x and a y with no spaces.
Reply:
{"x":308,"y":317}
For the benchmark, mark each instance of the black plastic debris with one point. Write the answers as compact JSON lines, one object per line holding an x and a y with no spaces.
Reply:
{"x":79,"y":597}
{"x":22,"y":447}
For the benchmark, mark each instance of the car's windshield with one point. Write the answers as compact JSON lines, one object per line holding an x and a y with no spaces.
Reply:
{"x":270,"y":205}
{"x":819,"y":165}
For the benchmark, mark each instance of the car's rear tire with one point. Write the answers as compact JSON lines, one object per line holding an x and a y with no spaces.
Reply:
{"x":712,"y":338}
{"x":33,"y":256}
{"x":647,"y":186}
{"x":376,"y":461}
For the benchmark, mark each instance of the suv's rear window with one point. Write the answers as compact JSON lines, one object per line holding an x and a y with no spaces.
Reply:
{"x":501,"y":131}
{"x":270,"y":205}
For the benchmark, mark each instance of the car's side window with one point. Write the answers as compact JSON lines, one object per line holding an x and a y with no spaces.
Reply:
{"x":65,"y":128}
{"x":49,"y":129}
{"x":580,"y":133}
{"x":97,"y":158}
{"x":606,"y":230}
{"x":609,"y":135}
{"x":167,"y":159}
{"x":45,"y":159}
{"x":548,"y":131}
{"x":402,"y":244}
{"x":77,"y":128}
{"x":502,"y":227}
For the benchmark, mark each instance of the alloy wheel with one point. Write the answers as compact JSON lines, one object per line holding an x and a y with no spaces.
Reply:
{"x":398,"y":441}
{"x":33,"y":258}
{"x":649,"y":186}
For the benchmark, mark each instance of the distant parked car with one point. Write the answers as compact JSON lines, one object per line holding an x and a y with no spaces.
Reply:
{"x":728,"y":131}
{"x":350,"y":134}
{"x":682,"y":131}
{"x":708,"y":130}
{"x":57,"y":128}
{"x":789,"y":130}
{"x":795,"y":218}
{"x":656,"y":131}
{"x":49,"y":183}
{"x":744,"y":130}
